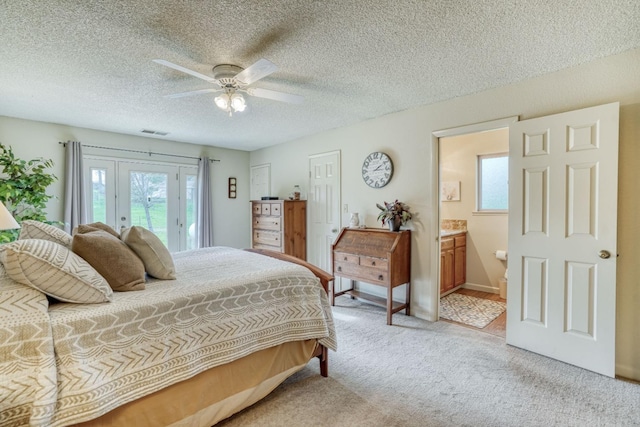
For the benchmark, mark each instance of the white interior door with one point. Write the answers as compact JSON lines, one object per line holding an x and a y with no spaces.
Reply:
{"x":563,"y":177}
{"x":260,"y":181}
{"x":323,"y":207}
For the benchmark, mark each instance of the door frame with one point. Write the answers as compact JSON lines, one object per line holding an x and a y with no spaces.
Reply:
{"x":434,"y":276}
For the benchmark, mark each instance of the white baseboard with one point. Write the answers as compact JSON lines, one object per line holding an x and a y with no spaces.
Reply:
{"x":483,"y":288}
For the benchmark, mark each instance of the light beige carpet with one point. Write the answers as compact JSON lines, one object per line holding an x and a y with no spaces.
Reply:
{"x":477,"y":312}
{"x":422,"y":374}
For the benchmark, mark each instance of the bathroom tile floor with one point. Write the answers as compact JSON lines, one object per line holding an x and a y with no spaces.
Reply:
{"x":498,"y":326}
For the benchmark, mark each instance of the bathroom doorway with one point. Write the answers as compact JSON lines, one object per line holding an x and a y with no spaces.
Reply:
{"x":473,"y":174}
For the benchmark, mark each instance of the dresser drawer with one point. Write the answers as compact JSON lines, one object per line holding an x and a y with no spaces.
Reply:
{"x":257,"y":208}
{"x":267,"y":223}
{"x":270,"y":238}
{"x":346,"y":258}
{"x":276,"y":209}
{"x":371,"y":262}
{"x":460,"y":240}
{"x":271,"y":248}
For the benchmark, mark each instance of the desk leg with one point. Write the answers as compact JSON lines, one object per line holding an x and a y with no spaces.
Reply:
{"x":389,"y":304}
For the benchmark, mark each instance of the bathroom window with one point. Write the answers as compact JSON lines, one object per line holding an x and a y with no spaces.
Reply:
{"x":493,"y":183}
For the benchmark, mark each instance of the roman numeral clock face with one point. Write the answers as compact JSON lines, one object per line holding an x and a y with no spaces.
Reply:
{"x":377,"y":170}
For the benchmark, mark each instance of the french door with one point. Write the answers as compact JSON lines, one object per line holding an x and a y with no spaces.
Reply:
{"x":157,"y":196}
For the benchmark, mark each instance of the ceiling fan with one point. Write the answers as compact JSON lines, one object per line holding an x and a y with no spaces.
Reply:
{"x":233,"y":81}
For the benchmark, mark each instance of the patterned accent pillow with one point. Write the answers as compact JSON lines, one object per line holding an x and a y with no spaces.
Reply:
{"x":55,"y":270}
{"x":112,"y":258}
{"x":157,"y":259}
{"x":40,"y":230}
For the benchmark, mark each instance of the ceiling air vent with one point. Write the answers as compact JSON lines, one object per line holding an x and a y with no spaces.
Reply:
{"x":154,"y":132}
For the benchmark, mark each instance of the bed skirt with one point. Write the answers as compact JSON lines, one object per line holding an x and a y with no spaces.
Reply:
{"x":215,"y":394}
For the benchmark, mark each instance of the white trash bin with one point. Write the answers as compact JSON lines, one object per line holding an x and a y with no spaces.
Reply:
{"x":502,"y":285}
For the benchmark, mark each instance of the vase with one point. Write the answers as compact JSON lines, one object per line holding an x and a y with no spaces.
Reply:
{"x":394,"y":224}
{"x":354,"y":222}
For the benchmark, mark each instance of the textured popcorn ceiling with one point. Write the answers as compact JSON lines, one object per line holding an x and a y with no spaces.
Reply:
{"x":89,"y":63}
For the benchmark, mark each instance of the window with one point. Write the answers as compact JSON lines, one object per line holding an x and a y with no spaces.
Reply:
{"x":493,"y":182}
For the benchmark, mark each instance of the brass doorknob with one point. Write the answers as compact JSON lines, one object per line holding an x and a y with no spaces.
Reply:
{"x":604,"y":254}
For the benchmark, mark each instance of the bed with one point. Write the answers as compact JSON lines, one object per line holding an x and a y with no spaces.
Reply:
{"x":192,"y":351}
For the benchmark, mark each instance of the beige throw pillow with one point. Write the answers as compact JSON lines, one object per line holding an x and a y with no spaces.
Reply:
{"x":94,"y":226}
{"x":112,"y":258}
{"x":31,"y":229}
{"x":157,"y":259}
{"x":55,"y":270}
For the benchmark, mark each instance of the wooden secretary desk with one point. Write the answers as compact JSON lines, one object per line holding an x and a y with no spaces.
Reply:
{"x":374,"y":256}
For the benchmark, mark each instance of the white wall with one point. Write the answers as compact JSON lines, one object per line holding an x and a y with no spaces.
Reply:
{"x":407,"y":137}
{"x":487,"y":232}
{"x":30,"y":139}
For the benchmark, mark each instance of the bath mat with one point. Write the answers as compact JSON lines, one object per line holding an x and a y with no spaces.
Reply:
{"x":469,"y":310}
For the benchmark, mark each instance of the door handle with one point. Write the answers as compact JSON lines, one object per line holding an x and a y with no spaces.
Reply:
{"x":604,"y":254}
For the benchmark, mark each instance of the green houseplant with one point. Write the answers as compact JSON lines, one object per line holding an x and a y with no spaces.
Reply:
{"x":23,"y":185}
{"x":395,"y":214}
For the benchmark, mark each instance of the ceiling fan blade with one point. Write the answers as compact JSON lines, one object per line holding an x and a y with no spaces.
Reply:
{"x":185,"y":70}
{"x":256,"y":71}
{"x":192,"y":92}
{"x":275,"y":95}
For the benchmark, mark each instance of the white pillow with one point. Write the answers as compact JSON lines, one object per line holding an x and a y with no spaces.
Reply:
{"x":40,"y":230}
{"x":55,"y":270}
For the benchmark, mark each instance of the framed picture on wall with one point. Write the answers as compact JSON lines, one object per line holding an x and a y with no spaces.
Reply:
{"x":232,"y":188}
{"x":450,"y":191}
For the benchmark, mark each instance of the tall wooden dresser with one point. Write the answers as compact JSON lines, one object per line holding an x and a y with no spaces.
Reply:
{"x":280,"y":225}
{"x":374,"y":256}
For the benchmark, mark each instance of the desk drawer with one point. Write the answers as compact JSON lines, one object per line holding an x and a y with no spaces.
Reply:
{"x":270,"y":238}
{"x":267,"y":223}
{"x":371,"y":262}
{"x":346,"y":258}
{"x":358,"y":272}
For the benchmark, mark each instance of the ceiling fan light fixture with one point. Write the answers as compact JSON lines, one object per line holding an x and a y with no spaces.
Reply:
{"x":223,"y":101}
{"x":237,"y":102}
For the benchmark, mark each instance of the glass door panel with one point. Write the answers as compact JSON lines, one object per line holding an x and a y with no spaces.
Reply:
{"x":100,"y":190}
{"x":148,"y":195}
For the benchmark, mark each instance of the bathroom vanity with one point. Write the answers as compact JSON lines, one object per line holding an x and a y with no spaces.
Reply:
{"x":453,"y":260}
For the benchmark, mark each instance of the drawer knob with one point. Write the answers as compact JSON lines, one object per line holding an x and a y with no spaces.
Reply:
{"x":345,"y":258}
{"x":339,"y":268}
{"x":380,"y":277}
{"x":373,"y":263}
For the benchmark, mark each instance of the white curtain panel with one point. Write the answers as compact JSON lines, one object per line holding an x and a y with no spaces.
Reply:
{"x":204,"y":221}
{"x":75,"y":208}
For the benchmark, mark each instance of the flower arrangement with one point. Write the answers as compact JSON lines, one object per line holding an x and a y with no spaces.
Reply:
{"x":396,"y":214}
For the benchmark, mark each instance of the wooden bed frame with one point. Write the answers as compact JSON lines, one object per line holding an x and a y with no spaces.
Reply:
{"x":325,"y":278}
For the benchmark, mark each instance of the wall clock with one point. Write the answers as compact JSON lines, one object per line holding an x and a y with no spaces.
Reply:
{"x":377,"y":169}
